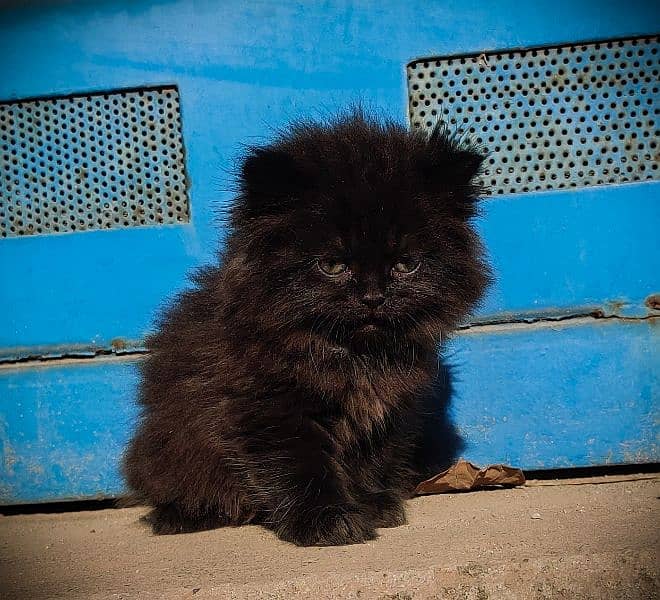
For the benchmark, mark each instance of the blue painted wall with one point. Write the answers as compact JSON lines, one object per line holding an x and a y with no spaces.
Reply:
{"x":542,"y":396}
{"x":242,"y":69}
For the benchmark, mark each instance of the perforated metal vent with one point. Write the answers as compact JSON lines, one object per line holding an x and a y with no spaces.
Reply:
{"x":561,"y":117}
{"x":92,"y":162}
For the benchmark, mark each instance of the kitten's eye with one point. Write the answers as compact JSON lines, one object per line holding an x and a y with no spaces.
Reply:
{"x":406,"y":266}
{"x":330,"y":268}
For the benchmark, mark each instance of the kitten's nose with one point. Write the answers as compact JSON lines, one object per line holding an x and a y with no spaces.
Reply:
{"x":373,"y":299}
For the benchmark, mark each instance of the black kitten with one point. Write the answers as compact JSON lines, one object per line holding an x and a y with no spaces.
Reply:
{"x":289,"y":387}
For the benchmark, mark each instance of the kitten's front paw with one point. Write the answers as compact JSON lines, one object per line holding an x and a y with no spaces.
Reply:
{"x":333,"y":526}
{"x":389,"y":511}
{"x":168,"y":519}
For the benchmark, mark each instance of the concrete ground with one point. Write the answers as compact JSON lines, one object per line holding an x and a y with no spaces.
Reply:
{"x":595,"y":538}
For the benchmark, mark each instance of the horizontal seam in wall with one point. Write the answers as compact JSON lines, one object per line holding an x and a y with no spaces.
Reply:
{"x":105,"y":355}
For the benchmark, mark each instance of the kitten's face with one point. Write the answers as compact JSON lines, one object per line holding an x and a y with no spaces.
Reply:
{"x":369,"y":285}
{"x":354,"y":241}
{"x":368,"y":277}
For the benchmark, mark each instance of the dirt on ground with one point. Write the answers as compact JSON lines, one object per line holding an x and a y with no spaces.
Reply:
{"x":574,"y":539}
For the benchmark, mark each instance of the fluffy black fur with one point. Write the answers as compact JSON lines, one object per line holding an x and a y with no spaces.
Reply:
{"x":294,"y":386}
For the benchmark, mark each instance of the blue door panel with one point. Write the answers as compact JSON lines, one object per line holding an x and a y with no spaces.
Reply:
{"x":241,"y":72}
{"x":562,"y":253}
{"x":576,"y":254}
{"x":576,"y":392}
{"x":339,"y":47}
{"x":567,"y":395}
{"x":110,"y":290}
{"x":63,"y":429}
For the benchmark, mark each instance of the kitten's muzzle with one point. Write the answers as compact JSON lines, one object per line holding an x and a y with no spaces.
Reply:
{"x":373,"y":299}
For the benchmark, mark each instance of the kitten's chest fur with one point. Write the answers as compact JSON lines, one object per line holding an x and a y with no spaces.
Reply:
{"x":371,"y":405}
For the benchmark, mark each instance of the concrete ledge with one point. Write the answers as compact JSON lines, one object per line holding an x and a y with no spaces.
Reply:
{"x":596,"y":540}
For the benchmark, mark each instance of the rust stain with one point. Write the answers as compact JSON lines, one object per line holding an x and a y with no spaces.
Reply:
{"x":653,"y":302}
{"x":118,"y":344}
{"x":614,"y":307}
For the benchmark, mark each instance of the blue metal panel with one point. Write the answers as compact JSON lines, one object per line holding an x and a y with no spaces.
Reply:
{"x":564,"y":253}
{"x":573,"y":394}
{"x":552,"y":256}
{"x":62,"y":429}
{"x":242,"y":69}
{"x":538,"y":397}
{"x":576,"y":396}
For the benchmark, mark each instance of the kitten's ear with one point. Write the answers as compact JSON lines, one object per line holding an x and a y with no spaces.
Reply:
{"x":270,"y":179}
{"x":451,"y":166}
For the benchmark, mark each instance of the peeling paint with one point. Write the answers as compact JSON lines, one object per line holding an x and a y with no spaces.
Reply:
{"x":118,"y":347}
